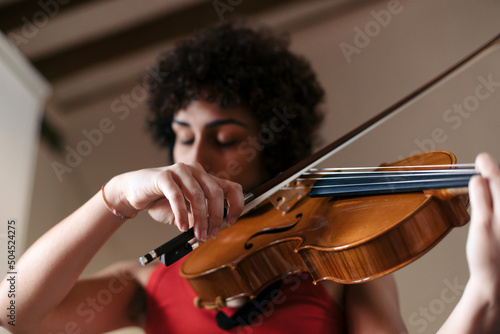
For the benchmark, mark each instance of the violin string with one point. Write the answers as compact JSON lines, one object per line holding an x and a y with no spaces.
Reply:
{"x":347,"y":169}
{"x":382,"y":174}
{"x":377,"y":183}
{"x":343,"y":173}
{"x":462,"y":173}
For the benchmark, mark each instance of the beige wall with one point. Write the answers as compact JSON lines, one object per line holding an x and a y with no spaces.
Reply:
{"x":421,"y":39}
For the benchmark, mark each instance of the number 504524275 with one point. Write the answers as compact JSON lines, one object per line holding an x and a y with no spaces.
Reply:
{"x":11,"y":245}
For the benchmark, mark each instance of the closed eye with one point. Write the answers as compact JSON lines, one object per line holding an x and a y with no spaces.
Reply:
{"x":186,"y":142}
{"x":226,"y":143}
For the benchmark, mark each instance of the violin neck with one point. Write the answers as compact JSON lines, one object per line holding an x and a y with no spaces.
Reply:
{"x":378,"y":183}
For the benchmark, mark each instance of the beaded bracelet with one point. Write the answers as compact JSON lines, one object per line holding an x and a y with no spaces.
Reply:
{"x":112,"y":209}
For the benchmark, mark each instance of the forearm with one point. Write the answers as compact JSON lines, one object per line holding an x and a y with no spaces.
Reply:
{"x":48,"y":271}
{"x":51,"y":266}
{"x":478,"y":311}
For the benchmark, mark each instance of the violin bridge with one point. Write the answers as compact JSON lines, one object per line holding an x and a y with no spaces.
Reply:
{"x":287,"y":198}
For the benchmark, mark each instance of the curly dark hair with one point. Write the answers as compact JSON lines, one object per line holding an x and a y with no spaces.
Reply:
{"x":240,"y":66}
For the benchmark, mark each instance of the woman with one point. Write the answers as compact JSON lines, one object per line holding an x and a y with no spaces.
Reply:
{"x":227,"y":103}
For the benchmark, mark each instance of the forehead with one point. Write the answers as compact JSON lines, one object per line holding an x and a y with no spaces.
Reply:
{"x":202,"y":112}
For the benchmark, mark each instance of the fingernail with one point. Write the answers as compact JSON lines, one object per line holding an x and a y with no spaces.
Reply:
{"x":203,"y":236}
{"x":230,"y":221}
{"x":213,"y":232}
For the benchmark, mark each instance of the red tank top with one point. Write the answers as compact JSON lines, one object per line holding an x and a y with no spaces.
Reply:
{"x":302,"y":307}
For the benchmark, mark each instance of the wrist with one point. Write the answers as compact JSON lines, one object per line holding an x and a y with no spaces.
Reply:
{"x":485,"y":288}
{"x":117,"y":204}
{"x":483,"y":305}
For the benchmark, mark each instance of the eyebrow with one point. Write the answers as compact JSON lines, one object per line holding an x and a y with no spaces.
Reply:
{"x":215,"y":123}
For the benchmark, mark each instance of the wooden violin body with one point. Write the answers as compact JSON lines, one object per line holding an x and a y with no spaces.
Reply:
{"x":346,"y":240}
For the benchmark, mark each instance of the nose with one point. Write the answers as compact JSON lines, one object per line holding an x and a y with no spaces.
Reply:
{"x":202,"y":155}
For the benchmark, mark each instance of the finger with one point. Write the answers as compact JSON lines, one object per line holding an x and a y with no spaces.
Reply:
{"x":215,"y":202}
{"x":216,"y":193}
{"x":171,"y":190}
{"x":494,"y":183}
{"x":481,"y":203}
{"x":486,"y":165}
{"x":488,"y":168}
{"x":233,"y":192}
{"x":190,"y":185}
{"x":161,"y":211}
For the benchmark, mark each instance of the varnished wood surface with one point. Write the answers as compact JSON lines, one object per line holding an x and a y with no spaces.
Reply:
{"x":347,"y":240}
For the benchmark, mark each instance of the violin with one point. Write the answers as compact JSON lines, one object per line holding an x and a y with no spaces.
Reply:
{"x":368,"y":229}
{"x":347,"y":227}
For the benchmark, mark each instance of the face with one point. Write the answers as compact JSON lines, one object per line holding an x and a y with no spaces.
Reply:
{"x":223,"y":141}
